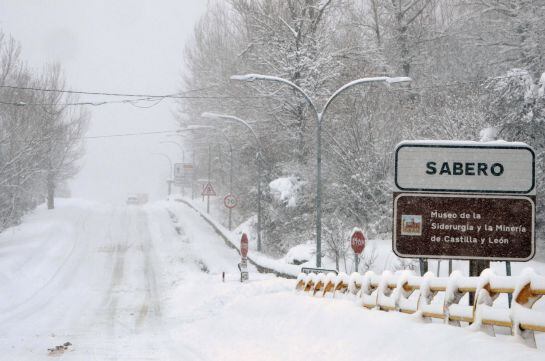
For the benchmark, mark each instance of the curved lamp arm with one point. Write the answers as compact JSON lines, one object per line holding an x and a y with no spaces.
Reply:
{"x":167,"y":158}
{"x":254,"y":77}
{"x":211,"y":115}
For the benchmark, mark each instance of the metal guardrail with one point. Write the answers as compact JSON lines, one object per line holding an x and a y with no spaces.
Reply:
{"x":260,"y":268}
{"x":407,"y":293}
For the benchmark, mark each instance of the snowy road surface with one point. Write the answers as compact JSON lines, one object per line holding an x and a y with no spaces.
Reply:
{"x":144,"y":283}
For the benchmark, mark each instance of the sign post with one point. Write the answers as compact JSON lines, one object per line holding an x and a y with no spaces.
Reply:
{"x":243,"y":265}
{"x":464,"y":200}
{"x":230,"y":202}
{"x":357,"y":241}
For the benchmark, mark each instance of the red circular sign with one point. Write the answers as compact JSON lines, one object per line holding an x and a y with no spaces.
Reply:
{"x":357,"y":241}
{"x":230,"y":201}
{"x":244,"y":245}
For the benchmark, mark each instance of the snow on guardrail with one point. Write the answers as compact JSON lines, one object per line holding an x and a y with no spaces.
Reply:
{"x":407,"y":293}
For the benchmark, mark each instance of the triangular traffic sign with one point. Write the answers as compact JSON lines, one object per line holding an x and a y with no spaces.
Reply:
{"x":208,"y":190}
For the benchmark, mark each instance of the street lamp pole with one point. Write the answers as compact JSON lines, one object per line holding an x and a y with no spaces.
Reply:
{"x":182,"y":187}
{"x":169,"y":181}
{"x":319,"y":116}
{"x":233,"y":118}
{"x":197,"y":127}
{"x":209,"y":171}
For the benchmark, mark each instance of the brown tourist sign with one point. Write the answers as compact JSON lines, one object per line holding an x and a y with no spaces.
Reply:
{"x":464,"y":226}
{"x":464,"y":200}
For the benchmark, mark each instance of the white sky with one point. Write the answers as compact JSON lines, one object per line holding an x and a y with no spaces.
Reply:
{"x":129,"y":46}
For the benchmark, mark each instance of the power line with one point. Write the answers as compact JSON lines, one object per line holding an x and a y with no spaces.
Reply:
{"x":160,"y":97}
{"x":129,"y":134}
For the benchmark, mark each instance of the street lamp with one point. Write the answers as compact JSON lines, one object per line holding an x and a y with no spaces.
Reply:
{"x":210,"y":127}
{"x":233,"y":118}
{"x":319,"y":116}
{"x":182,"y":149}
{"x":169,"y":181}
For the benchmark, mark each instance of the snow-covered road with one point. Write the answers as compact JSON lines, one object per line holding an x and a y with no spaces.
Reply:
{"x":106,"y":279}
{"x":144,"y":283}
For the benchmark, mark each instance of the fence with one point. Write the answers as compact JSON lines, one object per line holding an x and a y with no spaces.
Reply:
{"x":407,"y":293}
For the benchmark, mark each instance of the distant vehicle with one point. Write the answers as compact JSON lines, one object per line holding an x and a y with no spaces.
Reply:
{"x":132,"y":199}
{"x":137,"y":199}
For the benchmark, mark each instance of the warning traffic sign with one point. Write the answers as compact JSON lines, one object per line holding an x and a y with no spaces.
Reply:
{"x":208,"y":190}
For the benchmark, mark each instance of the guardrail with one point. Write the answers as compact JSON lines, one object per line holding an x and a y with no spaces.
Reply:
{"x":407,"y":293}
{"x":260,"y":268}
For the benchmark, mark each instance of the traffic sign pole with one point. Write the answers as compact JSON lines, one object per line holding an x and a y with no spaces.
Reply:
{"x":230,"y":211}
{"x":357,"y":261}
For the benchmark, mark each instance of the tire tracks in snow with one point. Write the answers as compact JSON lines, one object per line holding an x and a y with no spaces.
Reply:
{"x":18,"y":310}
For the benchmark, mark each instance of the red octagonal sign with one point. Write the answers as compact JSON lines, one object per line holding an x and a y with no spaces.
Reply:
{"x":357,"y":241}
{"x":244,"y":245}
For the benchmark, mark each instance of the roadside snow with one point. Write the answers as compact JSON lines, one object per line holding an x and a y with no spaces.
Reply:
{"x":301,"y":253}
{"x":268,"y":322}
{"x":145,"y":283}
{"x":285,"y":189}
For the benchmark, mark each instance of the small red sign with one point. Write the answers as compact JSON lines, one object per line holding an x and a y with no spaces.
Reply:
{"x":357,"y":241}
{"x":244,"y":245}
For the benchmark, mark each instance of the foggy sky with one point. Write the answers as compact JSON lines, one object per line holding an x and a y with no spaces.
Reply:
{"x":114,"y":46}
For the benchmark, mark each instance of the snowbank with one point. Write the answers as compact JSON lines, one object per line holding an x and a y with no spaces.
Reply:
{"x":285,"y":189}
{"x":301,"y":253}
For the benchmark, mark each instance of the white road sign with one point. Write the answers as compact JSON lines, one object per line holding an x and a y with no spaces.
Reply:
{"x":183,"y":173}
{"x":448,"y":166}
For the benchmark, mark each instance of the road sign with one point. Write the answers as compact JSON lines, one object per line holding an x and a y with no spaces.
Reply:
{"x":244,"y":245}
{"x":244,"y":275}
{"x":485,"y":227}
{"x":178,"y":174}
{"x":243,"y":265}
{"x":208,"y":190}
{"x":230,"y":201}
{"x":183,"y":173}
{"x":471,"y":167}
{"x":357,"y":241}
{"x":308,"y":270}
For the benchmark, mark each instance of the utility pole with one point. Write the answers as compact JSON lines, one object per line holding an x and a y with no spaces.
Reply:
{"x":193,"y":176}
{"x":169,"y":180}
{"x":209,"y":171}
